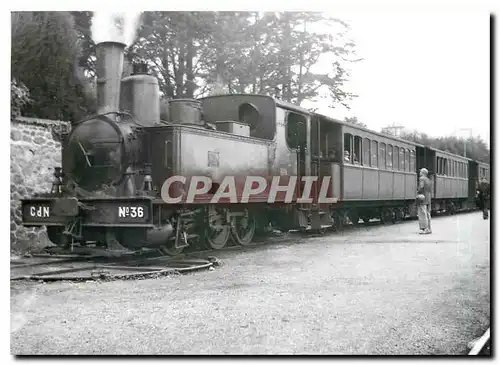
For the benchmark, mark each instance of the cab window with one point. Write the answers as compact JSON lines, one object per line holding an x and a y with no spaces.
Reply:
{"x":296,"y":130}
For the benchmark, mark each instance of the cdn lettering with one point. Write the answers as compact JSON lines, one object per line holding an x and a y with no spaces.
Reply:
{"x":40,"y":212}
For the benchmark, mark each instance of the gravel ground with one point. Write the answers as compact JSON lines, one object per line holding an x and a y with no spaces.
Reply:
{"x":378,"y":290}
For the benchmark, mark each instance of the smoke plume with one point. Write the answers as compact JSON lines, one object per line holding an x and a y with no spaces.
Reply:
{"x":115,"y":27}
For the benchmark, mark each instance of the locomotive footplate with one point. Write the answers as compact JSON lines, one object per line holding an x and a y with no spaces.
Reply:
{"x":94,"y":212}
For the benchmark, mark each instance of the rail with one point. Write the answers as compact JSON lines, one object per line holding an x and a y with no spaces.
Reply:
{"x":85,"y":269}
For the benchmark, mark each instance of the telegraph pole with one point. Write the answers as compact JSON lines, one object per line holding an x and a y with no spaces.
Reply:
{"x":465,"y":139}
{"x":393,"y":129}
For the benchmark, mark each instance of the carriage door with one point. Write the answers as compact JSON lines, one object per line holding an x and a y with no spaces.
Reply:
{"x":317,"y":155}
{"x":297,"y":131}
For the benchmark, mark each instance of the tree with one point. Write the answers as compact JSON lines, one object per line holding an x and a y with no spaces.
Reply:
{"x":174,"y":44}
{"x":292,"y":50}
{"x":192,"y":53}
{"x":45,"y":51}
{"x":476,"y":148}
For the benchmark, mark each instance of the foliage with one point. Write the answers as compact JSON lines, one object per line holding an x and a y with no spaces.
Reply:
{"x":475,"y":147}
{"x":45,"y":50}
{"x":354,"y":120}
{"x":19,"y":97}
{"x":193,"y":54}
{"x":198,"y":53}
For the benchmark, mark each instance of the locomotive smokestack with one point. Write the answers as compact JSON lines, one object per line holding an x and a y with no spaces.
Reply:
{"x":109,"y":69}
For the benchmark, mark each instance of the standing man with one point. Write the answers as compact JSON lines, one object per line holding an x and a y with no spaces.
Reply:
{"x":483,"y":196}
{"x":424,"y":206}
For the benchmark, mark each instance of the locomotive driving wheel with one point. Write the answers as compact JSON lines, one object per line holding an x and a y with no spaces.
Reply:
{"x":218,"y":231}
{"x":243,"y":228}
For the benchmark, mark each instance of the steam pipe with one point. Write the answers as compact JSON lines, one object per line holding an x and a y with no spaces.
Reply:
{"x":109,"y":69}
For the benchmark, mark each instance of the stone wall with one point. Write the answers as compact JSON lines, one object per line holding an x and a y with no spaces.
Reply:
{"x":35,"y":149}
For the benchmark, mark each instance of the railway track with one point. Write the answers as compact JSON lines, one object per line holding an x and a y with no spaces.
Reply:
{"x":96,"y":264}
{"x":84,"y":268}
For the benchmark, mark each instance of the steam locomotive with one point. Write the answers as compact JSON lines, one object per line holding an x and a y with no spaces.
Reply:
{"x":115,"y":164}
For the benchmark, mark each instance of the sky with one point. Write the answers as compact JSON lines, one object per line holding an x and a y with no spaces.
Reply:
{"x":425,"y":71}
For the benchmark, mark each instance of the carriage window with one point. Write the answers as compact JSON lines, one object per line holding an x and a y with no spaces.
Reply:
{"x":366,"y":152}
{"x":389,"y":156}
{"x":402,"y":159}
{"x":407,"y":159}
{"x":374,"y":153}
{"x":446,"y":167}
{"x":412,"y":161}
{"x":395,"y":156}
{"x":455,"y":168}
{"x":381,"y":156}
{"x":296,"y":130}
{"x":440,"y":166}
{"x":347,"y":148}
{"x":357,"y":150}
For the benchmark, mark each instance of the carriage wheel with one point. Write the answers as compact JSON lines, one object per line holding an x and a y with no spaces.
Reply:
{"x":398,"y":214}
{"x":338,"y":220}
{"x":354,"y":218}
{"x":218,"y":231}
{"x":386,"y":216}
{"x":243,"y":228}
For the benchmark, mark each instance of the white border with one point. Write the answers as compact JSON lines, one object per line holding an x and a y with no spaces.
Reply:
{"x":340,"y":7}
